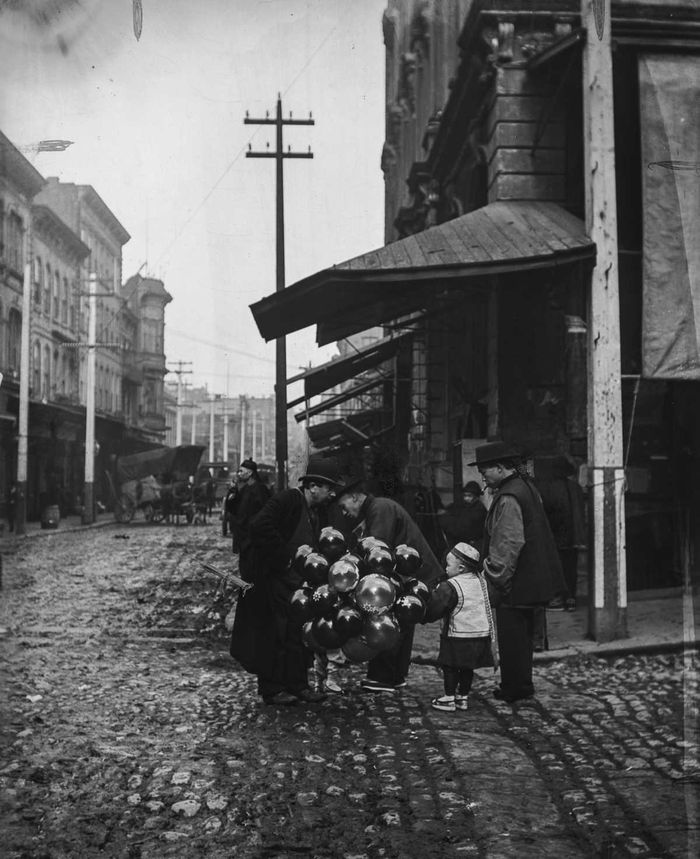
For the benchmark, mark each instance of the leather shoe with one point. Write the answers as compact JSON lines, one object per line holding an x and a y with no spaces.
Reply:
{"x":509,"y":698}
{"x":282,"y":699}
{"x":311,"y":697}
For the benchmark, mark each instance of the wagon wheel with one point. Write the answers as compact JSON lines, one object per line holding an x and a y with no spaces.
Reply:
{"x":124,"y":510}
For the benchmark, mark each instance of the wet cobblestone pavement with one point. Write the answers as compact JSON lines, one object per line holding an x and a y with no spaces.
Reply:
{"x":127,"y":731}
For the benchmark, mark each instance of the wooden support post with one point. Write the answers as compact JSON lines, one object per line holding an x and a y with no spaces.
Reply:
{"x":607,"y":579}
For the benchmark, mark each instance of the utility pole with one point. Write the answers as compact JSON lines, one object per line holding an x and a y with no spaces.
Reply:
{"x":89,"y":491}
{"x":23,"y":423}
{"x":179,"y":372}
{"x":243,"y":411}
{"x":281,"y":352}
{"x":608,"y":599}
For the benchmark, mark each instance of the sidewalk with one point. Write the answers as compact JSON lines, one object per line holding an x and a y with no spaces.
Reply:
{"x":656,"y":621}
{"x":68,"y":523}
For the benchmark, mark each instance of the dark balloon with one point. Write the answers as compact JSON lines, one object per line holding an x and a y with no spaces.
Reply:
{"x":418,"y":589}
{"x":316,"y":569}
{"x":322,"y":600}
{"x":366,"y":544}
{"x":326,"y":634}
{"x":301,"y":607}
{"x":332,"y":544}
{"x":300,"y":556}
{"x":409,"y":610}
{"x":357,"y":650}
{"x":309,"y":639}
{"x":348,"y":621}
{"x":382,"y":631}
{"x":374,"y":594}
{"x":408,"y":560}
{"x":343,"y":575}
{"x":380,"y":560}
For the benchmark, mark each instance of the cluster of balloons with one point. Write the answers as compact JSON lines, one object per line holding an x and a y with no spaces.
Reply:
{"x":358,"y":601}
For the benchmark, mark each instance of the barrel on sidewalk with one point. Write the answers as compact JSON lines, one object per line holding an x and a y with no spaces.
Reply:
{"x":51,"y":516}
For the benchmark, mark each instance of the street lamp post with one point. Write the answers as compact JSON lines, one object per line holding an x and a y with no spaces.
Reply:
{"x":89,"y":492}
{"x":23,"y":427}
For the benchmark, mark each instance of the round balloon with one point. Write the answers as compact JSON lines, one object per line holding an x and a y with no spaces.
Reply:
{"x":307,"y":636}
{"x":343,"y":575}
{"x":374,"y":594}
{"x":300,"y":605}
{"x":382,"y":631}
{"x":332,"y":543}
{"x":325,"y":632}
{"x":348,"y":621}
{"x":316,"y":569}
{"x":408,"y":560}
{"x":366,"y":544}
{"x":357,"y":650}
{"x":419,"y":589}
{"x":322,"y":600}
{"x":409,"y":610}
{"x":380,"y":560}
{"x":300,"y":556}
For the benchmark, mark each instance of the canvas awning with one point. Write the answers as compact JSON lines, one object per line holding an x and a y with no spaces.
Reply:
{"x":359,"y":428}
{"x":332,"y":373}
{"x":501,"y":239}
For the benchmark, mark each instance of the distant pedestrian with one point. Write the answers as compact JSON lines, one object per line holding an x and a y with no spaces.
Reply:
{"x":468,"y":637}
{"x":264,"y":639}
{"x":249,"y":500}
{"x":387,"y":520}
{"x":227,"y":506}
{"x":463,"y":520}
{"x":520,"y":561}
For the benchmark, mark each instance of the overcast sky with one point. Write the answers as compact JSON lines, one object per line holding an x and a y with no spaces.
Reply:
{"x":158,"y":131}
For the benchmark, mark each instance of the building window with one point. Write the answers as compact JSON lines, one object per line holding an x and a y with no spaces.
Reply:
{"x":36,"y":369}
{"x":56,"y":373}
{"x":46,"y":382}
{"x":38,"y":280}
{"x":56,"y":294}
{"x":74,"y":307}
{"x":47,"y":291}
{"x":64,"y":302}
{"x":15,"y":230}
{"x":14,"y":339}
{"x":64,"y":374}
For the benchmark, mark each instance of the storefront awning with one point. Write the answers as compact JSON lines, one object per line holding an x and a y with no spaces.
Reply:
{"x":332,"y":402}
{"x":410,"y":274}
{"x":332,"y":373}
{"x":359,"y":428}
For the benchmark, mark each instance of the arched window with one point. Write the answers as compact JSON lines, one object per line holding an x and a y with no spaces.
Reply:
{"x":56,"y":294}
{"x":14,"y":339}
{"x":46,"y":369}
{"x":36,"y":369}
{"x":47,"y":290}
{"x":64,"y":302}
{"x":38,"y":279}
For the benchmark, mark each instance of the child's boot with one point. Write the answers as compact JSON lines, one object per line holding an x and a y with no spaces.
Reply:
{"x":444,"y":702}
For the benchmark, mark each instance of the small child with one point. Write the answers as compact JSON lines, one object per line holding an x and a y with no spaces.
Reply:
{"x":467,"y":639}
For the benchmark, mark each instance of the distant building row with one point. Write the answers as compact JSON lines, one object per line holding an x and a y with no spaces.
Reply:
{"x":66,"y":232}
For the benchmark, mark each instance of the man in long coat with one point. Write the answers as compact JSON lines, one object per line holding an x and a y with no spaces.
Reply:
{"x":387,"y":520}
{"x":264,"y":639}
{"x":249,"y":500}
{"x":520,"y":561}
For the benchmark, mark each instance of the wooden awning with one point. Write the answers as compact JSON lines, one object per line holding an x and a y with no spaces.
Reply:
{"x":501,"y":239}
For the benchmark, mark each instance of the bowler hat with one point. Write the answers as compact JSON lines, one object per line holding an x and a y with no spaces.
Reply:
{"x":473,"y":487}
{"x":323,"y":470}
{"x":250,"y":465}
{"x":351,"y":483}
{"x":494,"y":451}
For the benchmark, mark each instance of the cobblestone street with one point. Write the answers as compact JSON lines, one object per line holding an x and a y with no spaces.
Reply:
{"x":128,"y":731}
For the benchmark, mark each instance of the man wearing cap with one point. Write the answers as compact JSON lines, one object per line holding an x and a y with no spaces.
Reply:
{"x":247,"y":503}
{"x":520,"y":562}
{"x":464,"y":520}
{"x":387,"y":520}
{"x":263,"y":640}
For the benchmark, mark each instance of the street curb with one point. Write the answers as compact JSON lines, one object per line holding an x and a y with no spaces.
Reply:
{"x":50,"y":532}
{"x":604,"y":652}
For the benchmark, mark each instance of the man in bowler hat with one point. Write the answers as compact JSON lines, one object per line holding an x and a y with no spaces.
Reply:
{"x":264,"y":640}
{"x":520,"y":561}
